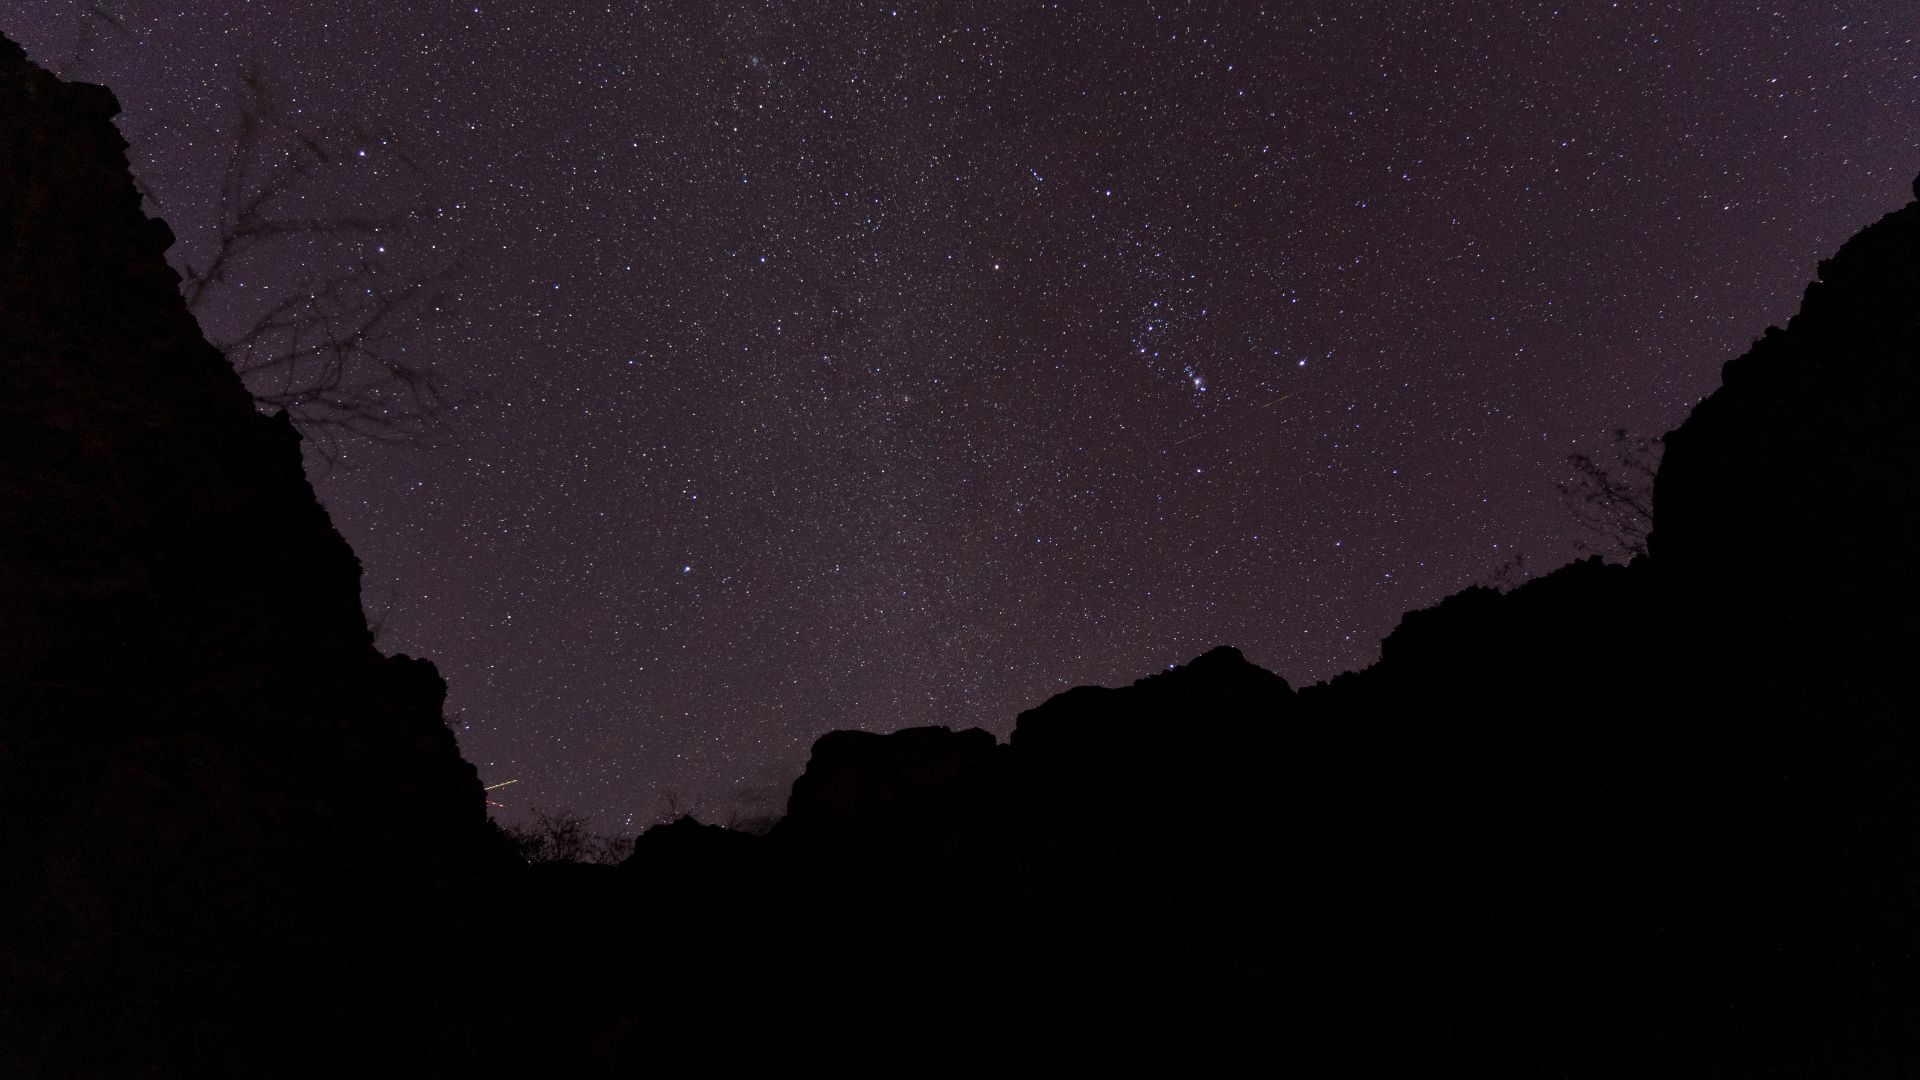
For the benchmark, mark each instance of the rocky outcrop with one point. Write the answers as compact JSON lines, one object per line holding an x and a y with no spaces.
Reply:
{"x":856,"y":775}
{"x":223,"y":814}
{"x":1806,"y":458}
{"x":1621,"y":819}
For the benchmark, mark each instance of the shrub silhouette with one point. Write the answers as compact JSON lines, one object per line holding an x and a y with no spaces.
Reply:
{"x":562,"y":835}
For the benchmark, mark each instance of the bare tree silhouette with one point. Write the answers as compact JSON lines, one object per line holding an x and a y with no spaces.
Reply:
{"x":1509,"y":573}
{"x":331,"y":351}
{"x":752,"y":824}
{"x":566,"y":836}
{"x":670,"y":808}
{"x":1613,"y":501}
{"x":91,"y":20}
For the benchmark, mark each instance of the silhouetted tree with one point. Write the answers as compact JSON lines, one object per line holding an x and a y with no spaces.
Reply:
{"x":671,"y":809}
{"x":562,"y":835}
{"x":1614,"y":501}
{"x":330,"y":349}
{"x":752,"y":824}
{"x":91,"y":20}
{"x":1509,"y":573}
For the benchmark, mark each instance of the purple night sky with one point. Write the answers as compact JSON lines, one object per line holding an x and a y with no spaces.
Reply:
{"x":875,"y":365}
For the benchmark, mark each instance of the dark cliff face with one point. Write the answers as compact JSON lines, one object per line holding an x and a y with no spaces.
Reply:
{"x":208,"y":775}
{"x":1621,"y":819}
{"x":1807,"y":457}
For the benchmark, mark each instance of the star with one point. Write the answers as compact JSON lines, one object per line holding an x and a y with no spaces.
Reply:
{"x":628,"y":205}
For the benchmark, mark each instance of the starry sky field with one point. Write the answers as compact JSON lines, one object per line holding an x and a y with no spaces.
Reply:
{"x":874,"y":365}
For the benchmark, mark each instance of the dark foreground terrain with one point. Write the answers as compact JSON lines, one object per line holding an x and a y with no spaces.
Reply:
{"x":1656,"y":819}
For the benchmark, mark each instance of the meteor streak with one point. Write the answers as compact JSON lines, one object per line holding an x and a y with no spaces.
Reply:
{"x":1230,"y":421}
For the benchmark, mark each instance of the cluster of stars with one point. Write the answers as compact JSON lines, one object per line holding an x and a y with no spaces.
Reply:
{"x":843,"y":366}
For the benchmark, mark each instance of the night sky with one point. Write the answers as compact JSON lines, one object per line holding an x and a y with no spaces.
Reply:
{"x":874,"y":365}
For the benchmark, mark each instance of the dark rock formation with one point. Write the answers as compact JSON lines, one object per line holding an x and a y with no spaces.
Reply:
{"x":1622,"y":819}
{"x":226,"y":821}
{"x":875,"y":776}
{"x":1806,"y":457}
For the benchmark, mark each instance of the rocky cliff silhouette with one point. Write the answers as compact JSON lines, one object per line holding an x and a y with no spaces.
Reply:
{"x":223,"y":814}
{"x":1656,"y":818}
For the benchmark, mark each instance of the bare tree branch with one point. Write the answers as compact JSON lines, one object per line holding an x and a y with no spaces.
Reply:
{"x":332,"y":352}
{"x":566,"y":836}
{"x":1614,"y":501}
{"x":89,"y":23}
